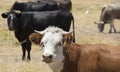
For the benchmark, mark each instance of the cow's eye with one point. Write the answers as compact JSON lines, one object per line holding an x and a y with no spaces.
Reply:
{"x":59,"y":43}
{"x":42,"y":44}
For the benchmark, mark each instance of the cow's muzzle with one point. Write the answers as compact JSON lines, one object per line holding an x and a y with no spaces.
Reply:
{"x":47,"y":58}
{"x":11,"y":28}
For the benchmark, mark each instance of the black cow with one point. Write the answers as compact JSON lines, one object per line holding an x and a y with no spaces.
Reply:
{"x":109,"y":13}
{"x":23,"y":24}
{"x":65,"y":5}
{"x":33,"y":6}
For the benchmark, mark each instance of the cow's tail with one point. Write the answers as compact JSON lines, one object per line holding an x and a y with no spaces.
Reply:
{"x":73,"y":28}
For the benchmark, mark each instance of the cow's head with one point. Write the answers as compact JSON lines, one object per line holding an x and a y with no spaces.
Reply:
{"x":15,"y":6}
{"x":52,"y":41}
{"x":19,"y":6}
{"x":12,"y":19}
{"x":100,"y":26}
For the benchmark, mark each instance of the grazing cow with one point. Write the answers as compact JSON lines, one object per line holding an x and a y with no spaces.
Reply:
{"x":62,"y":55}
{"x":65,"y":5}
{"x":23,"y":24}
{"x":32,"y":6}
{"x":108,"y":14}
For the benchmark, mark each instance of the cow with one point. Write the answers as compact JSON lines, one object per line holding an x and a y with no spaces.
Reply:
{"x":63,"y":55}
{"x":65,"y":5}
{"x":35,"y":6}
{"x":108,"y":14}
{"x":23,"y":24}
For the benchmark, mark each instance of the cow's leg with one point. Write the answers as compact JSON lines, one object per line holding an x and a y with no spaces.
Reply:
{"x":26,"y":46}
{"x":28,"y":50}
{"x":110,"y":31}
{"x":112,"y":26}
{"x":24,"y":51}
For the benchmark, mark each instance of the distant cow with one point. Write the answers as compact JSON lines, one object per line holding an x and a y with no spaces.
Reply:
{"x":108,"y":14}
{"x":62,"y":55}
{"x":23,"y":24}
{"x":65,"y":5}
{"x":34,"y":6}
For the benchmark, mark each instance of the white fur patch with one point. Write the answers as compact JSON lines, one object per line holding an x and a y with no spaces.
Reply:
{"x":12,"y":16}
{"x":57,"y":65}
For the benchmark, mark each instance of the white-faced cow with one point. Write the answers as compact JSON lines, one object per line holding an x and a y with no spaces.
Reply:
{"x":62,"y":55}
{"x":109,"y":13}
{"x":23,"y":24}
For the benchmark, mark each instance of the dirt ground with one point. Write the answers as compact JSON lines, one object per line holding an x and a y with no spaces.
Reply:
{"x":86,"y":32}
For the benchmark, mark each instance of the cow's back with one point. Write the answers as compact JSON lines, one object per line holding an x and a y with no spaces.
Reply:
{"x":65,"y":5}
{"x":99,"y":58}
{"x":92,"y":58}
{"x":111,"y":11}
{"x":41,"y":20}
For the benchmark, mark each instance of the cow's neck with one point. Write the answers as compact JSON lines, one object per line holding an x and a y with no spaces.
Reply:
{"x":20,"y":6}
{"x":70,"y":61}
{"x":18,"y":25}
{"x":18,"y":31}
{"x":105,"y":17}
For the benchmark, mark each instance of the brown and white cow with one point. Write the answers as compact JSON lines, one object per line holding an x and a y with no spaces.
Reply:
{"x":62,"y":55}
{"x":108,"y":14}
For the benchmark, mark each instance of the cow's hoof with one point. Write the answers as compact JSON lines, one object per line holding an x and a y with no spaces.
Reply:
{"x":115,"y":32}
{"x":23,"y":58}
{"x":110,"y":32}
{"x":28,"y":60}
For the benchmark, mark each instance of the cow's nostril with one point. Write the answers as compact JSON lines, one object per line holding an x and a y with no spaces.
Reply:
{"x":47,"y":56}
{"x":50,"y":56}
{"x":43,"y":56}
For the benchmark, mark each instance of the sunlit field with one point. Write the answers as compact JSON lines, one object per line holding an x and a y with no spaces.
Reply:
{"x":86,"y":32}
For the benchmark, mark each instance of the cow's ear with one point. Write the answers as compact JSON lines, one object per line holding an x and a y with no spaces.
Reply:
{"x":4,"y":15}
{"x":16,"y":2}
{"x":67,"y":38}
{"x":35,"y":38}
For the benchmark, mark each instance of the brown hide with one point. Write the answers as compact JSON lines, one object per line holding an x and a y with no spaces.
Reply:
{"x":91,"y":58}
{"x":72,"y":55}
{"x":35,"y":38}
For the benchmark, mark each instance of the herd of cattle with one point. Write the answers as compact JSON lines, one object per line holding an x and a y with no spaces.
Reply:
{"x":36,"y":16}
{"x":47,"y":23}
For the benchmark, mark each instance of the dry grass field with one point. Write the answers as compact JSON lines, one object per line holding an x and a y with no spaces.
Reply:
{"x":86,"y":32}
